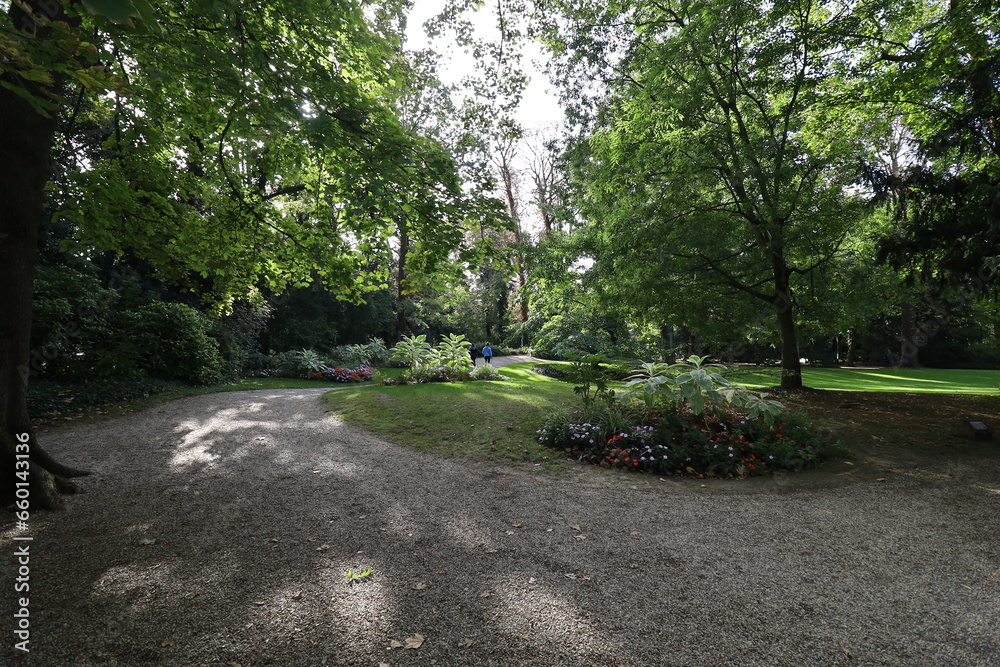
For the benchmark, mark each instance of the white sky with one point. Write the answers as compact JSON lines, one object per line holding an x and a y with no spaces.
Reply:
{"x":539,"y":107}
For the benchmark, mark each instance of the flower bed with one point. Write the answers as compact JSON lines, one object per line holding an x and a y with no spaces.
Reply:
{"x":717,"y":443}
{"x":362,"y":373}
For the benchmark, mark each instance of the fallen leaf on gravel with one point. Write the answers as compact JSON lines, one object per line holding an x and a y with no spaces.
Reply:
{"x":518,"y":525}
{"x":485,"y":594}
{"x":190,"y":595}
{"x":575,"y":527}
{"x":416,"y":641}
{"x":147,"y":541}
{"x":580,"y":537}
{"x":169,"y":642}
{"x":396,"y":644}
{"x":880,"y":479}
{"x":297,"y":596}
{"x":438,"y":571}
{"x":510,"y":532}
{"x":634,"y":566}
{"x":570,"y":576}
{"x":312,"y":539}
{"x":383,"y":664}
{"x":585,"y":577}
{"x":465,"y":643}
{"x":532,"y":580}
{"x":419,"y":587}
{"x":323,"y":547}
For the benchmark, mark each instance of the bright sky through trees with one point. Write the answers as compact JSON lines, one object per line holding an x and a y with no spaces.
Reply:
{"x":539,"y":107}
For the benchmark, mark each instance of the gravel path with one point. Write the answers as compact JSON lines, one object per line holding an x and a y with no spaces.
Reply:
{"x":218,"y":530}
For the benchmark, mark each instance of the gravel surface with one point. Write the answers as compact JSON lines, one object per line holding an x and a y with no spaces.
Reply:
{"x":219,"y":530}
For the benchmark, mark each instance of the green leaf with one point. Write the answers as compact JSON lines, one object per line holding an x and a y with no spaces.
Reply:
{"x":117,"y":11}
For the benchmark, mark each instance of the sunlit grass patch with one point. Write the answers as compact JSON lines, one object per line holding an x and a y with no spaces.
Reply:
{"x":479,"y":420}
{"x":909,"y":380}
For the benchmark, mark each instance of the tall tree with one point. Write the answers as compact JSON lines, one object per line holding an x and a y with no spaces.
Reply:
{"x":710,"y":173}
{"x":252,"y":147}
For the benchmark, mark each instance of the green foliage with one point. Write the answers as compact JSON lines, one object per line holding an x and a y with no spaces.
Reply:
{"x":171,"y":341}
{"x":299,"y":362}
{"x":486,"y":372}
{"x":360,"y":575}
{"x":453,"y":351}
{"x":373,"y":353}
{"x":591,"y":381}
{"x":698,"y":385}
{"x":448,"y":362}
{"x":412,"y":350}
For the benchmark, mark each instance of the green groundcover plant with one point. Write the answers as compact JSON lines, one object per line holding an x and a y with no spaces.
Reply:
{"x":686,"y":419}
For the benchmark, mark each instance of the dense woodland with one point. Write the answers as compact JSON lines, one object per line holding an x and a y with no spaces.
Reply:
{"x":187,"y":189}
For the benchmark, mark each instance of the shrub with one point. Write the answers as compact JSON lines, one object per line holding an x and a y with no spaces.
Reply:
{"x":486,"y":372}
{"x":372,"y":353}
{"x":422,"y":374}
{"x":171,"y":341}
{"x":411,"y":350}
{"x":299,"y":362}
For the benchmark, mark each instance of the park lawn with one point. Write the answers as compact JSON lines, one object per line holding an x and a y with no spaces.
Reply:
{"x":907,"y":380}
{"x":478,"y":420}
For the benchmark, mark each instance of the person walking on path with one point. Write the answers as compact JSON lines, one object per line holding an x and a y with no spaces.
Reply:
{"x":473,"y":352}
{"x":488,"y":354}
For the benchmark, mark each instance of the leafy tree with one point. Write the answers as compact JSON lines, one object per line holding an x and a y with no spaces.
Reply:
{"x":248,"y":146}
{"x":710,"y":179}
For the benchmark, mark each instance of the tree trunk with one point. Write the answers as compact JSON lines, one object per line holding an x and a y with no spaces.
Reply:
{"x":25,"y":142}
{"x":791,"y":367}
{"x":909,"y":352}
{"x":852,"y":347}
{"x":402,"y":323}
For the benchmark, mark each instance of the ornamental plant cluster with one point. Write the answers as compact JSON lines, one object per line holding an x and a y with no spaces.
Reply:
{"x":448,"y":362}
{"x":697,"y":425}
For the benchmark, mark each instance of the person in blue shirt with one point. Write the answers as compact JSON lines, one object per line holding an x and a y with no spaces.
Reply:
{"x":488,"y":354}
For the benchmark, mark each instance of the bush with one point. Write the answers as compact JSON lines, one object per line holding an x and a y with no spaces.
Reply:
{"x":171,"y":341}
{"x":298,"y":363}
{"x":423,"y":374}
{"x":486,"y":372}
{"x":372,"y":353}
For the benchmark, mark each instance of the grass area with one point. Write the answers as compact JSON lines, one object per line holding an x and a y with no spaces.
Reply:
{"x":908,"y":380}
{"x":479,"y":420}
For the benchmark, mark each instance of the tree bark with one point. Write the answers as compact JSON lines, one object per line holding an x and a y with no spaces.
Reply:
{"x":909,"y":351}
{"x":25,"y":143}
{"x":791,"y":367}
{"x":852,"y":347}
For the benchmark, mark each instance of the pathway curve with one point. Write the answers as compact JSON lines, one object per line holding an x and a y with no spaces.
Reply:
{"x":218,"y":530}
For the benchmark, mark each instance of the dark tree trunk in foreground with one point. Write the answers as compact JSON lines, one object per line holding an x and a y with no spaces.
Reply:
{"x":791,"y":367}
{"x":25,"y":141}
